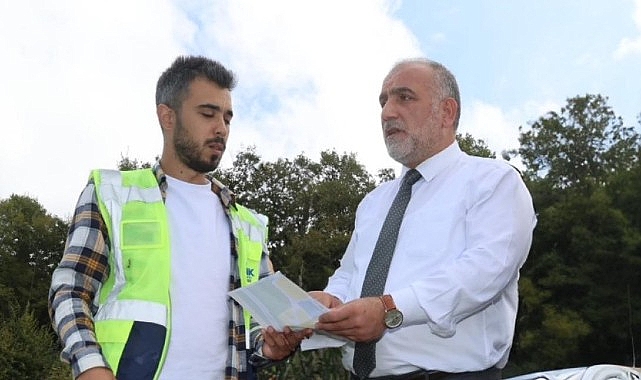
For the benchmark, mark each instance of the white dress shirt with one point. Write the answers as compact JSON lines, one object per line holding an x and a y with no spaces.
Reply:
{"x":466,"y":233}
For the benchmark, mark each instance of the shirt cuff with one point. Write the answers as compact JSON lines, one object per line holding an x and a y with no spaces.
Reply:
{"x":413,"y":313}
{"x":87,"y":362}
{"x":258,"y":358}
{"x":407,"y":303}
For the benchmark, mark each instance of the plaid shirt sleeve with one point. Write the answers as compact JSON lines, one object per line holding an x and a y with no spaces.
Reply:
{"x":75,"y":283}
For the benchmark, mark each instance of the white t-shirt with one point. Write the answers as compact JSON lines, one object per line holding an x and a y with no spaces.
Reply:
{"x":200,"y":265}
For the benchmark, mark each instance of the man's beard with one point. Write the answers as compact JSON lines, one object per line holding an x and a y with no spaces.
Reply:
{"x":190,"y":154}
{"x":413,"y":147}
{"x":397,"y":148}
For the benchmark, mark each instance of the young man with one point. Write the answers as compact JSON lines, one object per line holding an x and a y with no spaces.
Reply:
{"x":427,"y":288}
{"x":141,"y":291}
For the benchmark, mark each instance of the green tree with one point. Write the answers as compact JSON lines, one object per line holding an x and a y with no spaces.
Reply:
{"x":585,"y":257}
{"x":624,"y":190}
{"x":474,"y":147}
{"x":582,"y":146}
{"x":310,"y":205}
{"x":6,"y":298}
{"x":579,"y":282}
{"x":127,"y":163}
{"x":27,"y":349}
{"x":554,"y":340}
{"x":31,"y":245}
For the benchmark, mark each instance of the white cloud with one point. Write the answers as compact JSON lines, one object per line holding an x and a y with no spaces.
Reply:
{"x":499,"y":128}
{"x":630,"y":46}
{"x":78,"y":82}
{"x":321,"y":64}
{"x":79,"y":78}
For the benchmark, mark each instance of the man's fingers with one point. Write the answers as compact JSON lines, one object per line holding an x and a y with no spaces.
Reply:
{"x":338,"y":314}
{"x":288,"y":340}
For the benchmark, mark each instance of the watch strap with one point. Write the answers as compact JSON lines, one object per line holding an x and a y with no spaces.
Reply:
{"x":388,"y":302}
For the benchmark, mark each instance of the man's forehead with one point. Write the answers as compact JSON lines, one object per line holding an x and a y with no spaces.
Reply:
{"x":399,"y":85}
{"x":408,"y":77}
{"x":206,"y":89}
{"x":409,"y":71}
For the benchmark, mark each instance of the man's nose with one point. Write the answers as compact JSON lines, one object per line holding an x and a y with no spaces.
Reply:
{"x":220,"y":126}
{"x":388,"y":111}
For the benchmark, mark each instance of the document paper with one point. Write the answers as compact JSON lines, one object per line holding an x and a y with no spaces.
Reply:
{"x":276,"y":301}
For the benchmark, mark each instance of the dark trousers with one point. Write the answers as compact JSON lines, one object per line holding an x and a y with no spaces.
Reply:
{"x":488,"y":374}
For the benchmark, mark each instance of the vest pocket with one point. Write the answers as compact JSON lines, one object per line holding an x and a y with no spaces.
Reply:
{"x":145,"y":259}
{"x":141,"y":234}
{"x":132,"y":349}
{"x":143,"y":351}
{"x":112,"y":336}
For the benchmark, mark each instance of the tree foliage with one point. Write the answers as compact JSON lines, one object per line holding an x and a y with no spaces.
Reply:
{"x":580,"y":284}
{"x":584,"y":261}
{"x":311,"y":207}
{"x":31,"y":244}
{"x":127,"y":163}
{"x":474,"y":147}
{"x":582,"y":146}
{"x":27,"y":349}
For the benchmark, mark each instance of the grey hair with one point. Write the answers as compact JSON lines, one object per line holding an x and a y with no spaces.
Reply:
{"x":445,"y":81}
{"x":173,"y":84}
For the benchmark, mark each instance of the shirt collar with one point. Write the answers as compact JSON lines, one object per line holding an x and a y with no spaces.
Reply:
{"x":431,"y":167}
{"x":227,"y":197}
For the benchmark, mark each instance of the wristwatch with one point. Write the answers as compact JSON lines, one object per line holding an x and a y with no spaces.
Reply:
{"x":393,"y":316}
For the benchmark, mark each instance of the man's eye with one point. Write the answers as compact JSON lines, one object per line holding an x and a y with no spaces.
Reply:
{"x":207,"y":114}
{"x":405,"y":97}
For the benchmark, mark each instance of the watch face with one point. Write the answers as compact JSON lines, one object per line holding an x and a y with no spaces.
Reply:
{"x":393,"y":318}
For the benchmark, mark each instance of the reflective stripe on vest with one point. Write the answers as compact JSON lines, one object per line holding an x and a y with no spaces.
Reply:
{"x":138,"y":286}
{"x":251,"y":235}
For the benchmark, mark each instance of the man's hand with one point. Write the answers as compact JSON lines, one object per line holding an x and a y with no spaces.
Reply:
{"x":360,"y":320}
{"x":97,"y":373}
{"x":279,"y":345}
{"x":326,"y":299}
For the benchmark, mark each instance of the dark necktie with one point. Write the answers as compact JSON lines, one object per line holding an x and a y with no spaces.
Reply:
{"x":376,"y":275}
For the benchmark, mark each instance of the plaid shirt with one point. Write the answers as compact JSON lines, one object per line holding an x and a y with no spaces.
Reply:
{"x":76,"y":284}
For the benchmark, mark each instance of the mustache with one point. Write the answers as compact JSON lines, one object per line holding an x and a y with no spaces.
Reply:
{"x":392,"y":124}
{"x":216,"y":140}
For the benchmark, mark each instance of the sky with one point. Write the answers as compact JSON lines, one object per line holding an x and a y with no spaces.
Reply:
{"x":77,"y":78}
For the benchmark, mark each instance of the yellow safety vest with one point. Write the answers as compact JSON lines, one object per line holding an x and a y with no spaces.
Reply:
{"x":137,"y":289}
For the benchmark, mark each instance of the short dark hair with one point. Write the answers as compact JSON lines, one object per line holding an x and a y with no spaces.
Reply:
{"x":173,"y":84}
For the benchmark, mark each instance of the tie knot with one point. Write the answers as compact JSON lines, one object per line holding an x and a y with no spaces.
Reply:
{"x":411,"y":177}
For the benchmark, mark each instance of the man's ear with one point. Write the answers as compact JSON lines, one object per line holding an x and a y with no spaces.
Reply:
{"x":450,"y":110}
{"x":166,"y":116}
